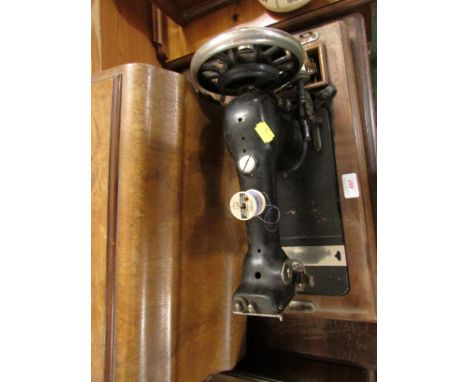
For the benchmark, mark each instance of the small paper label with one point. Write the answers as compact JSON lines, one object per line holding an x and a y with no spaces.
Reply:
{"x":264,"y":132}
{"x":243,"y":206}
{"x":350,"y":186}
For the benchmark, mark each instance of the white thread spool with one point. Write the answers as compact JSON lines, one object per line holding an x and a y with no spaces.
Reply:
{"x":246,"y":205}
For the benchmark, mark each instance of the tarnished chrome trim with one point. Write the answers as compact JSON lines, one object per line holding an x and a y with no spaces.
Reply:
{"x":308,"y":37}
{"x":278,"y":316}
{"x":300,"y":306}
{"x":318,"y":256}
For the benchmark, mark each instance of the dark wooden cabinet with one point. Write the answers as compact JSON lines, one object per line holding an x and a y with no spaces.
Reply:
{"x":181,"y":27}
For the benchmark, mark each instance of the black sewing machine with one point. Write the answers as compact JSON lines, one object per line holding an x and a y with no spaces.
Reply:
{"x":279,"y":134}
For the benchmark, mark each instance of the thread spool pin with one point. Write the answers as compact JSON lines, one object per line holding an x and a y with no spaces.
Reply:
{"x":246,"y":205}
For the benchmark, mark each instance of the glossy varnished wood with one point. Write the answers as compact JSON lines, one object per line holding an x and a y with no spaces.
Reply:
{"x":356,"y":28}
{"x":121,"y":32}
{"x":148,"y":225}
{"x":183,"y":41}
{"x":184,"y":11}
{"x":167,"y":286}
{"x":102,"y":107}
{"x":142,"y":254}
{"x":213,"y":245}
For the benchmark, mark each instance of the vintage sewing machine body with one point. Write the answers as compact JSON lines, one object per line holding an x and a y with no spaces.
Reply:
{"x":278,"y":127}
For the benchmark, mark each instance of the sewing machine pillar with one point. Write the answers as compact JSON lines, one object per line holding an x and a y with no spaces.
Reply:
{"x":263,"y":288}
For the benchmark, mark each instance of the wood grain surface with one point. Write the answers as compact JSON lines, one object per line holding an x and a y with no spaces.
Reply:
{"x":162,"y":287}
{"x":213,"y":245}
{"x":356,"y":28}
{"x":184,"y":11}
{"x":183,"y":41}
{"x":100,"y":142}
{"x":121,"y":33}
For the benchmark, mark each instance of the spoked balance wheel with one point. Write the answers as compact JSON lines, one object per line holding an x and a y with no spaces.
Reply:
{"x":245,"y":59}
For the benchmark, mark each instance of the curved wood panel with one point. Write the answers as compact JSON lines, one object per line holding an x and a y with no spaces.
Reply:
{"x":146,"y":268}
{"x":168,"y":286}
{"x":100,"y":143}
{"x":213,"y":246}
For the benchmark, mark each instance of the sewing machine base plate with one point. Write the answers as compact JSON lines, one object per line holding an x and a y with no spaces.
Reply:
{"x":311,"y":225}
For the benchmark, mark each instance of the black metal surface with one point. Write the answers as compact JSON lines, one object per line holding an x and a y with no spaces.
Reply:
{"x":308,"y":198}
{"x":242,"y":77}
{"x":328,"y":281}
{"x":262,"y":67}
{"x":310,"y":212}
{"x":261,"y":283}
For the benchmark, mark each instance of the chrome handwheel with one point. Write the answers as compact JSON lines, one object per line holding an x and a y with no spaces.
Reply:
{"x":245,"y":59}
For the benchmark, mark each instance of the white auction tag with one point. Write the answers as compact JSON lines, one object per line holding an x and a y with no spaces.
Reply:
{"x":350,"y":186}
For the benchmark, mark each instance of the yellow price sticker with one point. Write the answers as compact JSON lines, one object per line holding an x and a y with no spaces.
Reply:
{"x":264,"y":132}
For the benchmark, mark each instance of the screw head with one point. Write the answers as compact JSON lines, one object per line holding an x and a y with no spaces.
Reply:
{"x":297,"y":266}
{"x":239,"y":305}
{"x":251,"y":308}
{"x":247,"y":164}
{"x":287,"y":273}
